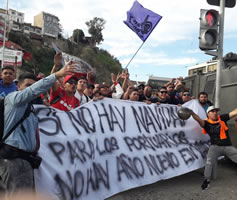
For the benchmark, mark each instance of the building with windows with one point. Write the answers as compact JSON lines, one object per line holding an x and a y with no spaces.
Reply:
{"x":13,"y":20}
{"x":3,"y":15}
{"x":28,"y":29}
{"x":202,"y":68}
{"x":15,"y":16}
{"x":156,"y":82}
{"x":2,"y":27}
{"x":49,"y":24}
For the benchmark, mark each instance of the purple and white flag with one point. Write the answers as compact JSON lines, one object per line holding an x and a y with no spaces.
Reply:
{"x":141,"y":20}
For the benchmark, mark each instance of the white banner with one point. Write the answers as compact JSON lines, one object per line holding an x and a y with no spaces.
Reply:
{"x":105,"y":147}
{"x":11,"y":57}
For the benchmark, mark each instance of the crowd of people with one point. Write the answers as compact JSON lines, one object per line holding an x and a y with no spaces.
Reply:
{"x":76,"y":89}
{"x":65,"y":90}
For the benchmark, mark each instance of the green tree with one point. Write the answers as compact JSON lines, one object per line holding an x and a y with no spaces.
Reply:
{"x":95,"y":28}
{"x":78,"y":35}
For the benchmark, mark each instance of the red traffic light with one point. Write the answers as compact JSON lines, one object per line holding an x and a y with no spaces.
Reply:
{"x":211,"y":18}
{"x":209,"y":29}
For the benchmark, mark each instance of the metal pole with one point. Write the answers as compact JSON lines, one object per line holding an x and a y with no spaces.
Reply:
{"x":220,"y":53}
{"x":5,"y":30}
{"x":134,"y":55}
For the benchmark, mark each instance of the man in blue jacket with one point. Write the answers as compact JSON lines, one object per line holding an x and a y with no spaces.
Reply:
{"x":17,"y":151}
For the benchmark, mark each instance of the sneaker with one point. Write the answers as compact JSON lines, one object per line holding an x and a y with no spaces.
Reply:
{"x":205,"y":184}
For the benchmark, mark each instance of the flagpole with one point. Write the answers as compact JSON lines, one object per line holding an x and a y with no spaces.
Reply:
{"x":142,"y":21}
{"x":134,"y":55}
{"x":4,"y":37}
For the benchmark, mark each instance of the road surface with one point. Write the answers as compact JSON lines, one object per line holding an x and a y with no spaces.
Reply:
{"x":188,"y":187}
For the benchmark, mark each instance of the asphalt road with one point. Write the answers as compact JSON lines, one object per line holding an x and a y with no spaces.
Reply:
{"x":188,"y":187}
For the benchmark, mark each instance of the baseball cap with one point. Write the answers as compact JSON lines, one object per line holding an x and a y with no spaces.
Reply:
{"x":68,"y":77}
{"x":210,"y":108}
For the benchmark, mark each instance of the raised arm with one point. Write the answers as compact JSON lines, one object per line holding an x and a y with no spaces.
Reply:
{"x":41,"y":86}
{"x":57,"y":64}
{"x":125,"y":76}
{"x":197,"y":118}
{"x":127,"y":93}
{"x":233,"y":113}
{"x":170,"y":82}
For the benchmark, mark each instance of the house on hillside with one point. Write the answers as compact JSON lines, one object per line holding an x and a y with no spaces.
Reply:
{"x":30,"y":31}
{"x":2,"y":27}
{"x":3,"y":13}
{"x":48,"y":23}
{"x":28,"y":28}
{"x":16,"y":26}
{"x":85,"y":40}
{"x":33,"y":32}
{"x":15,"y":16}
{"x":89,"y":41}
{"x":15,"y":19}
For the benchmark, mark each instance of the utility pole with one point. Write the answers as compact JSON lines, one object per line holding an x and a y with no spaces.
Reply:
{"x":5,"y":30}
{"x":220,"y":54}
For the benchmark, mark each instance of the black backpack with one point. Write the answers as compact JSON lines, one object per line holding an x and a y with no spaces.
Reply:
{"x":26,"y":114}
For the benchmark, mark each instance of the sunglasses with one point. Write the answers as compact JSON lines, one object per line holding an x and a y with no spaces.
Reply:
{"x":162,"y":92}
{"x":72,"y":81}
{"x":186,"y":94}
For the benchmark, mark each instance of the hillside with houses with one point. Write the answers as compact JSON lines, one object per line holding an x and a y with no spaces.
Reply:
{"x":35,"y":43}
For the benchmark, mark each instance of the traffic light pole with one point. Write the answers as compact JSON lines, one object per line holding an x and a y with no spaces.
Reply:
{"x":220,"y":53}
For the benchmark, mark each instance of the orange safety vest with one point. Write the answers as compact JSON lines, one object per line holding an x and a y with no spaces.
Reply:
{"x":223,"y":127}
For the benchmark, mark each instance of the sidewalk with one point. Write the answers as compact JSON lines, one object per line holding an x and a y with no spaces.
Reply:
{"x":188,"y":187}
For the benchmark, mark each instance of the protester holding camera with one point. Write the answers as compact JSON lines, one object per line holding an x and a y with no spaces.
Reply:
{"x":20,"y":143}
{"x":62,"y":94}
{"x":216,"y":127}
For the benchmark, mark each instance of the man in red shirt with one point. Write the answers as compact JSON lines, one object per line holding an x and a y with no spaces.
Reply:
{"x":62,"y":95}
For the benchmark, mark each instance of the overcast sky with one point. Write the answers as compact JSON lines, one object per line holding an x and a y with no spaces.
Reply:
{"x":172,"y":46}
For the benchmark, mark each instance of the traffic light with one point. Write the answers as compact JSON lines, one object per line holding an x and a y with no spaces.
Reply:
{"x":209,"y":25}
